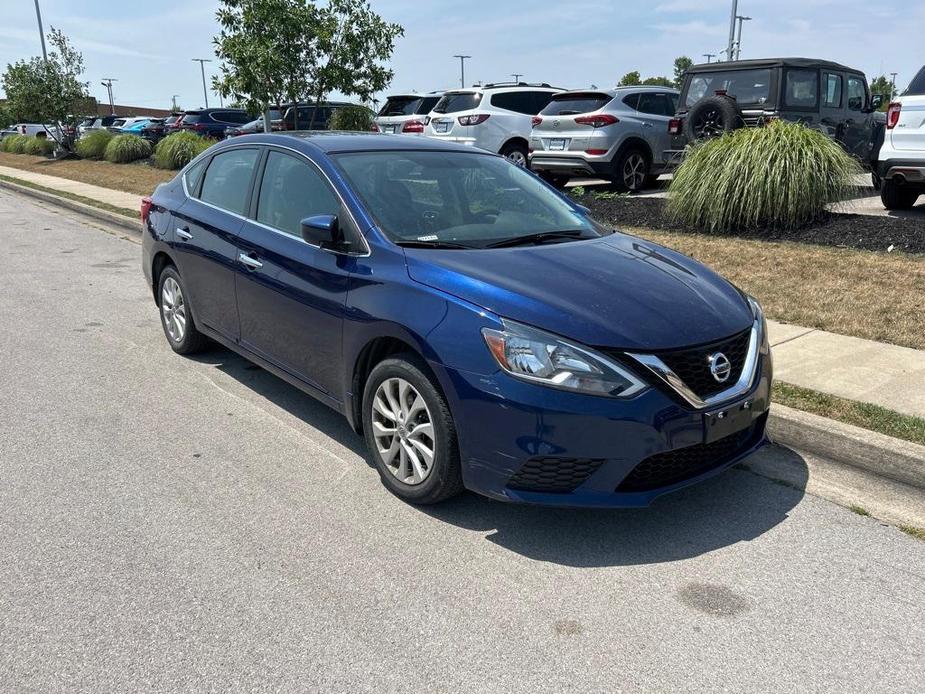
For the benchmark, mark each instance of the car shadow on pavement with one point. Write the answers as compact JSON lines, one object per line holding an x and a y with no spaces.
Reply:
{"x":736,"y":506}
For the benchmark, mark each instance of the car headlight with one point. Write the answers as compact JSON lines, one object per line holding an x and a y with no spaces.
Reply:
{"x":540,"y":357}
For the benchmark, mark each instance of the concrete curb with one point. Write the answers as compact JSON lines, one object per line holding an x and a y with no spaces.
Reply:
{"x":133,"y":226}
{"x":882,"y":455}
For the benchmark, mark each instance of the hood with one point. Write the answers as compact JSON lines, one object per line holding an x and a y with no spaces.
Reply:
{"x":617,"y":291}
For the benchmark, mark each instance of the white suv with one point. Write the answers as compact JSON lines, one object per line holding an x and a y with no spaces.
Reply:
{"x":496,"y":117}
{"x":902,"y":157}
{"x":406,"y":114}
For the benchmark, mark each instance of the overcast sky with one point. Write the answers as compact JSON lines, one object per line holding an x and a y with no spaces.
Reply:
{"x":148,"y":47}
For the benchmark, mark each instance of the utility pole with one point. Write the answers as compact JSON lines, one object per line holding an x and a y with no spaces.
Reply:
{"x":517,"y":76}
{"x":893,"y":85}
{"x":462,"y":69}
{"x":202,"y":67}
{"x":739,"y":35}
{"x":730,"y":49}
{"x":708,"y":56}
{"x":38,"y":15}
{"x":173,"y":100}
{"x":107,"y":82}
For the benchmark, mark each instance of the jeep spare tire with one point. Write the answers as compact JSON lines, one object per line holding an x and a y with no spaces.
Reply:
{"x":712,"y":116}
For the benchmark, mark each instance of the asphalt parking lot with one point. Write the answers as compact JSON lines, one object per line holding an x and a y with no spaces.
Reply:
{"x":198,"y":525}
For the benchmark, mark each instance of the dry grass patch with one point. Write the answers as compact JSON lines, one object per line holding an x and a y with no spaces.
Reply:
{"x":876,"y":296}
{"x":131,"y":178}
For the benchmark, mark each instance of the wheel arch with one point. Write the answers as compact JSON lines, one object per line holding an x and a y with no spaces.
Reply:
{"x":634,"y":142}
{"x":160,"y":261}
{"x":516,"y":140}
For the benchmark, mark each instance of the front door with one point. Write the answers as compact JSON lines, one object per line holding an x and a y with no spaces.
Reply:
{"x":291,"y":295}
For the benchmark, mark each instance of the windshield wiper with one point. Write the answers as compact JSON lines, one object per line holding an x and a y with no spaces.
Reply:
{"x":538,"y":238}
{"x":411,"y":243}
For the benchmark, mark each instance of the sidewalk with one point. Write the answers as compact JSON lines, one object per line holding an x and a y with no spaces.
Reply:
{"x":849,"y":367}
{"x":109,"y":196}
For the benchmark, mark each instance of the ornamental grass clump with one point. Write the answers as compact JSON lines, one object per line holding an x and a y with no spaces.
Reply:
{"x":39,"y":146}
{"x":781,"y":176}
{"x":93,"y":144}
{"x":15,"y":144}
{"x":126,"y":148}
{"x":177,"y":150}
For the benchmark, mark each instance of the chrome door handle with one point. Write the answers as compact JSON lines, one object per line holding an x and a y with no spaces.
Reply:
{"x":183,"y":234}
{"x":249,"y":261}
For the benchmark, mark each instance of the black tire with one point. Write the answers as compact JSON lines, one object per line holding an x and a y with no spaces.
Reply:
{"x":444,"y":478}
{"x":516,"y":154}
{"x":190,"y":340}
{"x":555,"y":180}
{"x":712,"y":116}
{"x":631,"y":170}
{"x":895,"y":197}
{"x":876,"y":180}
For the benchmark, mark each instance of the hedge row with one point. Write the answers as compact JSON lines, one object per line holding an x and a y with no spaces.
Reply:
{"x":27,"y":144}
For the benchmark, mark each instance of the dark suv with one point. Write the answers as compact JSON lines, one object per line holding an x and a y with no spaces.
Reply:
{"x":309,"y":116}
{"x":212,"y":122}
{"x":719,"y":97}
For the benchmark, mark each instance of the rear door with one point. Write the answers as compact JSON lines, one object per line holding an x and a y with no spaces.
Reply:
{"x":655,"y":110}
{"x":858,"y":132}
{"x":207,"y":225}
{"x":833,"y":112}
{"x":291,"y":295}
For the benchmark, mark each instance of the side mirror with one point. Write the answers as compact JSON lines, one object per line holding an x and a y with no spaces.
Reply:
{"x":322,"y":230}
{"x":876,"y":101}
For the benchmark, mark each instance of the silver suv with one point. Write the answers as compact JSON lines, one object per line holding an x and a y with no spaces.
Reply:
{"x":620,"y":134}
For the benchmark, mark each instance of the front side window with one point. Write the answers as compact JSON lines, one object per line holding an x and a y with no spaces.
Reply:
{"x":801,"y":89}
{"x":747,"y":87}
{"x":227,"y":180}
{"x":833,"y":89}
{"x":291,"y":190}
{"x":857,"y":94}
{"x":471,"y":200}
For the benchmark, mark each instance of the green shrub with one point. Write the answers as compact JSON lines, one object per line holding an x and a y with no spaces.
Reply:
{"x":15,"y":144}
{"x":781,"y":177}
{"x":93,"y":144}
{"x":125,"y":148}
{"x":177,"y":150}
{"x":39,"y":146}
{"x":357,"y":118}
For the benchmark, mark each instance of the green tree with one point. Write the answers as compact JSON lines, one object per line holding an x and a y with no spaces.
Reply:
{"x":630,"y":79}
{"x":658,"y":82}
{"x":681,"y":65}
{"x":881,"y":85}
{"x":48,"y":91}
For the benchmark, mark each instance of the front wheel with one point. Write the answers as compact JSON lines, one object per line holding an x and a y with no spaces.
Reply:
{"x":896,"y":197}
{"x":410,"y":432}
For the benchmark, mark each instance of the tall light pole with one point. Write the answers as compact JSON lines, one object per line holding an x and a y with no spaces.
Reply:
{"x":739,"y":36}
{"x":173,"y":100}
{"x":517,"y":76}
{"x":38,"y":15}
{"x":708,"y":56}
{"x":462,"y":69}
{"x":202,"y":67}
{"x":893,"y":85}
{"x":730,"y":49}
{"x":107,"y":82}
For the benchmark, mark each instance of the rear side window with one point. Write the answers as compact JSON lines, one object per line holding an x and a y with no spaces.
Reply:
{"x":917,"y":86}
{"x":801,"y":89}
{"x":833,"y":89}
{"x":228,"y":178}
{"x":400,"y":106}
{"x":191,"y":118}
{"x":292,"y":189}
{"x":540,"y":101}
{"x":519,"y":102}
{"x":573,"y":104}
{"x":231,"y":117}
{"x":193,"y":176}
{"x":451,"y":103}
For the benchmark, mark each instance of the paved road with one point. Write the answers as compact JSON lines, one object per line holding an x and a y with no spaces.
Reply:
{"x":177,"y":525}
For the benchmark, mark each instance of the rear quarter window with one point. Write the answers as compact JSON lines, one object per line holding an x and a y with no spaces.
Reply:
{"x":801,"y":89}
{"x":917,"y":86}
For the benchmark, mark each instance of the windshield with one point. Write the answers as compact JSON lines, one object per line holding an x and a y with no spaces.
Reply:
{"x":473,"y":200}
{"x":747,"y":87}
{"x":917,"y":86}
{"x":570,"y":104}
{"x":451,"y":103}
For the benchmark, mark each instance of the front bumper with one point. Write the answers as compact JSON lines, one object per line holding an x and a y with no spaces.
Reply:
{"x":525,"y":443}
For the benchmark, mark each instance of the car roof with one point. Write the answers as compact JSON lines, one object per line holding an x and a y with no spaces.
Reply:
{"x":615,"y":91}
{"x":522,"y":87}
{"x":770,"y":62}
{"x":331,"y":141}
{"x":414,"y":95}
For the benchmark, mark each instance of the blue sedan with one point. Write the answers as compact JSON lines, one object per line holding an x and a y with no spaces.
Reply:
{"x":479,"y":329}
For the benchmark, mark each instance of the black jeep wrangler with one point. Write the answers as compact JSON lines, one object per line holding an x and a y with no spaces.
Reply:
{"x":719,"y":97}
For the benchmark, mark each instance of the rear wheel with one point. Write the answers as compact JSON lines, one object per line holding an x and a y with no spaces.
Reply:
{"x":631,"y":171}
{"x":515,"y":153}
{"x":176,"y":317}
{"x":896,"y":197}
{"x":410,"y":432}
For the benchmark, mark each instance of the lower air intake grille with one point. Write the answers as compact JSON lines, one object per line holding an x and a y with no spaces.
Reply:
{"x":671,"y":467}
{"x":557,"y":475}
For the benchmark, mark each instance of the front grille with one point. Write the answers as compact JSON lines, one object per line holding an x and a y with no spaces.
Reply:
{"x":693,"y":365}
{"x":671,"y":467}
{"x":556,"y":475}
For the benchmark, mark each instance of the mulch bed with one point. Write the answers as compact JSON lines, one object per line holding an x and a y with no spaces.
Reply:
{"x":863,"y":232}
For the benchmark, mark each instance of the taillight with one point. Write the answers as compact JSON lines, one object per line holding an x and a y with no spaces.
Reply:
{"x":536,"y":120}
{"x":674,"y":126}
{"x":596,"y":151}
{"x":474,"y":119}
{"x":598,"y":121}
{"x":892,"y":115}
{"x":145,"y":208}
{"x":413,"y":126}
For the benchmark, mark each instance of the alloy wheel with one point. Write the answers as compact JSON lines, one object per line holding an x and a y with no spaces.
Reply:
{"x":517,"y":157}
{"x":709,"y":123}
{"x":634,"y":171}
{"x":403,"y":430}
{"x":173,"y":309}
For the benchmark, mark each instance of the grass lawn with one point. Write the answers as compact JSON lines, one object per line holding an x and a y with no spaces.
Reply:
{"x":878,"y":296}
{"x":132,"y":178}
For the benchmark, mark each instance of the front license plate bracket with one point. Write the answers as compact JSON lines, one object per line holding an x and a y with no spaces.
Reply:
{"x":726,"y":421}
